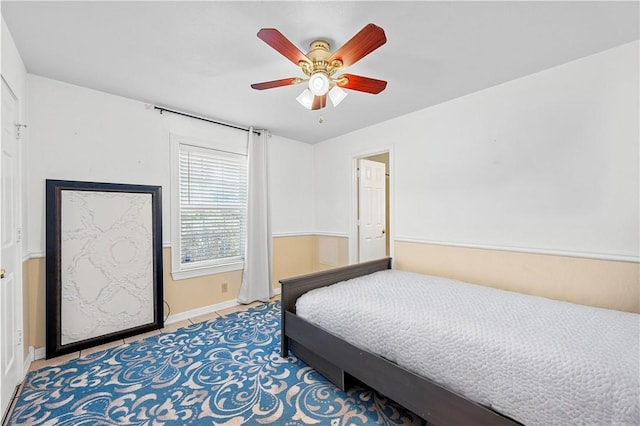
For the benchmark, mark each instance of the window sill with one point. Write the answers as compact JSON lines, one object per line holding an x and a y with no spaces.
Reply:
{"x":184,"y":274}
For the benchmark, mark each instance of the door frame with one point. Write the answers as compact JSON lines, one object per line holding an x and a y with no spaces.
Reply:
{"x":20,"y":258}
{"x":353,"y":203}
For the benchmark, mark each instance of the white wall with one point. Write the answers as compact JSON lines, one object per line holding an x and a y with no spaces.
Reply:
{"x":291,"y":186}
{"x":86,"y":135}
{"x":548,"y":162}
{"x":81,"y":134}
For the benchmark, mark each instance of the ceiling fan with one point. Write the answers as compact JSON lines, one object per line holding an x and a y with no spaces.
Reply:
{"x":320,"y":66}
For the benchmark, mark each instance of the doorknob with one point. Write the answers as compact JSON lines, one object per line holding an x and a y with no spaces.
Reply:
{"x":2,"y":272}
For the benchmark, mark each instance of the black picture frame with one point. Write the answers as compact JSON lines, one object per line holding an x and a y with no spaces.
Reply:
{"x":109,"y":196}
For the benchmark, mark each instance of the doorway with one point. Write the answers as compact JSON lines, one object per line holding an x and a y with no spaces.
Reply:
{"x":10,"y":267}
{"x":372,"y":195}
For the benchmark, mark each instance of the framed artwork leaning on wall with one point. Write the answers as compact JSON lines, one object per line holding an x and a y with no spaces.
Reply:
{"x":103,"y":263}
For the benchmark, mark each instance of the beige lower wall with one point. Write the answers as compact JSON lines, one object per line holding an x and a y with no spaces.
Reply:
{"x":303,"y":254}
{"x":292,"y":255}
{"x":33,"y":293}
{"x":181,"y":296}
{"x":194,"y":293}
{"x":330,"y":252}
{"x":602,"y":283}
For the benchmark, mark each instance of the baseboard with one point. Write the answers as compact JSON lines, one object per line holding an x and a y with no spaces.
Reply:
{"x":33,"y":355}
{"x":200,"y":311}
{"x":27,"y":361}
{"x":40,"y":353}
{"x":207,"y":309}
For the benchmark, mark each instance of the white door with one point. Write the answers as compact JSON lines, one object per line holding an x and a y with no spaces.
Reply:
{"x":371,"y":210}
{"x":9,"y":303}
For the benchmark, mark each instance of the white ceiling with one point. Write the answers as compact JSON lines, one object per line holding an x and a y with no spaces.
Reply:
{"x":201,"y":57}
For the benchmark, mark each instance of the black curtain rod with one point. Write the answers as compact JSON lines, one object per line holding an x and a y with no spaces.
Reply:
{"x":161,"y":109}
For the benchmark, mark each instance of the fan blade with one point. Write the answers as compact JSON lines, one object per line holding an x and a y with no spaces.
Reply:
{"x":361,"y":84}
{"x":366,"y":41}
{"x":275,"y":39}
{"x":276,"y":83}
{"x":319,"y":102}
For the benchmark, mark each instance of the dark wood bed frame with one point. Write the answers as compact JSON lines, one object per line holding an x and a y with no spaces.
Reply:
{"x":341,"y":362}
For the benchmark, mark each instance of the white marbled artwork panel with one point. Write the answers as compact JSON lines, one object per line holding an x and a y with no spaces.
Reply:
{"x":107,"y":274}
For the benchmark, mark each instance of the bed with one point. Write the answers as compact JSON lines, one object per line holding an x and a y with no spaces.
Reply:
{"x":541,"y":380}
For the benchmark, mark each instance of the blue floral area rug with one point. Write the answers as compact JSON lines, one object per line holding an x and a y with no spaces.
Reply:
{"x":226,"y":371}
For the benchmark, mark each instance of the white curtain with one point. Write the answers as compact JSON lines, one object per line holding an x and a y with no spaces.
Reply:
{"x":256,"y":276}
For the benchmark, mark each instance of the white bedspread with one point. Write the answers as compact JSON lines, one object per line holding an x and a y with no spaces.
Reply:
{"x":536,"y":360}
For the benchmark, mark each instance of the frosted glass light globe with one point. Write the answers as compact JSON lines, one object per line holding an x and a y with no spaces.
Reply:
{"x":319,"y":84}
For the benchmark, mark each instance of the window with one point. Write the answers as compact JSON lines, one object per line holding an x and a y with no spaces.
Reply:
{"x":211,"y":200}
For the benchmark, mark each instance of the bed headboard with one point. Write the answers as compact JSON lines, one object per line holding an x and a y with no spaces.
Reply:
{"x":292,"y":288}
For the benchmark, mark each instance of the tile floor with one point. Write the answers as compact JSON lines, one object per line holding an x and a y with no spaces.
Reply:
{"x":40,"y":363}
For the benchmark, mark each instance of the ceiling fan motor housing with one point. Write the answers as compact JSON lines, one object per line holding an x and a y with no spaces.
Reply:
{"x":319,"y":49}
{"x":319,"y":54}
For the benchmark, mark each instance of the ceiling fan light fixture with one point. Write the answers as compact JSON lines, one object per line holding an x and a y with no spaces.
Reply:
{"x":337,"y":95}
{"x":319,"y":83}
{"x":306,"y":99}
{"x":320,"y":64}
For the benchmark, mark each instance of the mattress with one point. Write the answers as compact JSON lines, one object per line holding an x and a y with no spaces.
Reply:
{"x":536,"y":360}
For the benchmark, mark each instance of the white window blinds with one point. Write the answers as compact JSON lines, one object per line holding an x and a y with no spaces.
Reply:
{"x":213,"y":206}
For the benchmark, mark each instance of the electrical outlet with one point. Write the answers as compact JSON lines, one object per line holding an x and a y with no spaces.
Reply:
{"x":225,"y":287}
